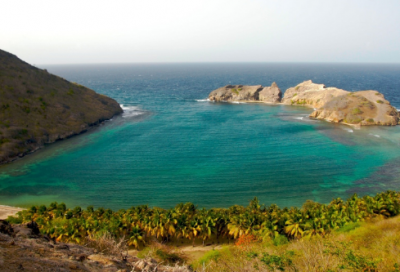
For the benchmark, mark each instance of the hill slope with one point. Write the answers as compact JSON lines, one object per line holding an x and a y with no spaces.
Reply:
{"x":38,"y":108}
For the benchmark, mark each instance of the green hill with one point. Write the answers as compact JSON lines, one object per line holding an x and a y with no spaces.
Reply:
{"x":37,"y":108}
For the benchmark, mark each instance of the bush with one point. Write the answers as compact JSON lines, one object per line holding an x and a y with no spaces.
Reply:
{"x":356,"y":111}
{"x":349,"y":227}
{"x":278,"y":261}
{"x":280,"y":240}
{"x":379,"y":101}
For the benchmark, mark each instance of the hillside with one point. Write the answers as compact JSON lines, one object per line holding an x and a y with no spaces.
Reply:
{"x":357,"y":234}
{"x":38,"y":108}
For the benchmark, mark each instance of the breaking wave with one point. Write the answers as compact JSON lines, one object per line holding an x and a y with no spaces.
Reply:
{"x":131,"y":111}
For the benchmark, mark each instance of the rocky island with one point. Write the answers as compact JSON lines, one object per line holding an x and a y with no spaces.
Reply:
{"x":362,"y":108}
{"x":37,"y":108}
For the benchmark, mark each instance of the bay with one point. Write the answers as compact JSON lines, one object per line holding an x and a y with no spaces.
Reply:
{"x":172,"y":146}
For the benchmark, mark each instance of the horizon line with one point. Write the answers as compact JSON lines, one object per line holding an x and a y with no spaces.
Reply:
{"x":216,"y":62}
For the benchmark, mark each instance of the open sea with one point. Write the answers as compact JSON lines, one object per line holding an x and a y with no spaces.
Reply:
{"x":173,"y":146}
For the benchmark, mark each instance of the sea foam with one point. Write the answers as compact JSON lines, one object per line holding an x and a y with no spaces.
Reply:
{"x":348,"y":130}
{"x":375,"y":135}
{"x":131,"y":111}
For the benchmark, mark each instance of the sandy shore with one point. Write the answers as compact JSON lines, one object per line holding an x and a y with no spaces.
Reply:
{"x":6,"y":211}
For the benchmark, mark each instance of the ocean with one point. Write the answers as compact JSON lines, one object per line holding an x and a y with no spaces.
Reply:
{"x":171,"y":145}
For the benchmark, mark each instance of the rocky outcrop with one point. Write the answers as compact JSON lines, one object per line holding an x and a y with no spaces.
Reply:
{"x":310,"y":94}
{"x":37,"y":108}
{"x":362,"y":108}
{"x":244,"y":93}
{"x":270,"y":94}
{"x":236,"y":93}
{"x":22,"y":247}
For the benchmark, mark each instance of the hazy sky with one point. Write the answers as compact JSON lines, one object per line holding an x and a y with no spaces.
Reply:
{"x":86,"y":31}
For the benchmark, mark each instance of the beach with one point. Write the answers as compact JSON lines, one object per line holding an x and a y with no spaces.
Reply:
{"x":6,"y":211}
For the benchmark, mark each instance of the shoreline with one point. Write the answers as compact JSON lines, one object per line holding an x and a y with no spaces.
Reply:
{"x":87,"y":129}
{"x":6,"y":211}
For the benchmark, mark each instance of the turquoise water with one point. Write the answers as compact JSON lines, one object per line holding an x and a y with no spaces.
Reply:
{"x":172,"y":146}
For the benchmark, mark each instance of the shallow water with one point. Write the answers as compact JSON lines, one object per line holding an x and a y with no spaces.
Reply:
{"x":172,"y":146}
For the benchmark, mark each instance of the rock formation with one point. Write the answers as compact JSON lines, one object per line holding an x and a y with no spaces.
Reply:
{"x":362,"y":108}
{"x":310,"y":94}
{"x":270,"y":94}
{"x":37,"y":108}
{"x":236,"y":93}
{"x":23,"y":248}
{"x":244,"y":93}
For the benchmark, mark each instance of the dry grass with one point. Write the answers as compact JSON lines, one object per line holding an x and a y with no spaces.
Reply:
{"x":164,"y":254}
{"x":373,"y":246}
{"x":109,"y":245}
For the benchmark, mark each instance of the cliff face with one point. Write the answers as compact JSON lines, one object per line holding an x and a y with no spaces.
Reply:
{"x":38,"y":108}
{"x":245,"y":93}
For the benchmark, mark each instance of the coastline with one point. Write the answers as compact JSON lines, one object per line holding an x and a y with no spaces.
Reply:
{"x":88,"y":128}
{"x":6,"y":211}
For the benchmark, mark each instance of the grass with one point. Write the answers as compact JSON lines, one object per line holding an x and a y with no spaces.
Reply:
{"x":369,"y":246}
{"x":379,"y":101}
{"x":163,"y":253}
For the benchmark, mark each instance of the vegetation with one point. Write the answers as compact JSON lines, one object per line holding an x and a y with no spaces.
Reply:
{"x":379,"y":101}
{"x":360,"y":246}
{"x":46,"y":106}
{"x":356,"y":111}
{"x":234,"y":91}
{"x":142,"y":224}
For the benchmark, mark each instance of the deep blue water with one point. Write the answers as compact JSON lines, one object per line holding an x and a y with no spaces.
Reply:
{"x":171,"y":146}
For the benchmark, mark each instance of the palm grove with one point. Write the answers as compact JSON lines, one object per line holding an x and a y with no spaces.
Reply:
{"x":141,"y":224}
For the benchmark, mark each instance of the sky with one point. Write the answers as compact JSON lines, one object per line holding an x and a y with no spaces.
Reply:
{"x":86,"y":31}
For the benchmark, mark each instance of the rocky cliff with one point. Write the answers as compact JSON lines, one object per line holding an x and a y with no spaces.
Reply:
{"x":363,"y":108}
{"x":244,"y":93}
{"x":37,"y":108}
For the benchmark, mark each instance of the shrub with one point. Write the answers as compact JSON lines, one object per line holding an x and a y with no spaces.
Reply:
{"x":356,"y":111}
{"x":106,"y":243}
{"x":379,"y":101}
{"x":245,"y":241}
{"x":280,"y":240}
{"x":278,"y":261}
{"x":349,"y":227}
{"x":234,"y":91}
